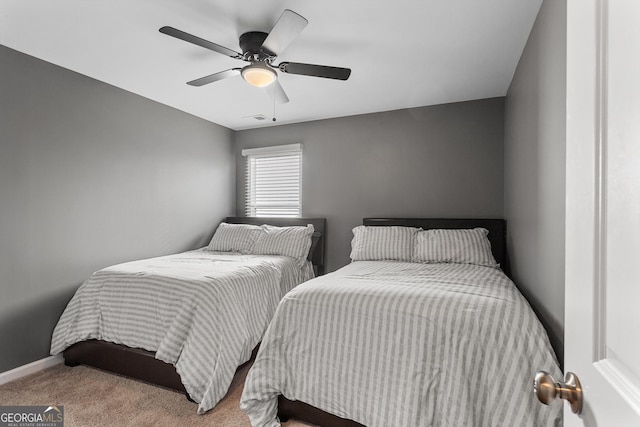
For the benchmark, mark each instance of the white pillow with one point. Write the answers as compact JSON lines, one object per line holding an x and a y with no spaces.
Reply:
{"x":374,"y":243}
{"x":465,"y":246}
{"x":292,"y":241}
{"x":234,"y":238}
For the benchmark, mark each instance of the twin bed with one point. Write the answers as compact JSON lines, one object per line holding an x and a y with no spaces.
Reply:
{"x":422,"y":328}
{"x":187,"y":321}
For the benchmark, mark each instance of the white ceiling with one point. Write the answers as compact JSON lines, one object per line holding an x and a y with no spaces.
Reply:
{"x":403,"y":53}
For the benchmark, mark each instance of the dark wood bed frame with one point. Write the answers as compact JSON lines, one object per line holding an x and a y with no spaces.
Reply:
{"x":497,"y":236}
{"x":141,"y":364}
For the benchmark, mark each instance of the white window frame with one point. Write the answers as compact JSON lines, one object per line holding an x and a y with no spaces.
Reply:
{"x":255,"y":208}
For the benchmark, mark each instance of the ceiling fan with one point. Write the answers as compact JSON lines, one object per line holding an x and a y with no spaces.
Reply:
{"x":260,"y":50}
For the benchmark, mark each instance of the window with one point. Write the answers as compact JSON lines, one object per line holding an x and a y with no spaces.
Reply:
{"x":274,"y":181}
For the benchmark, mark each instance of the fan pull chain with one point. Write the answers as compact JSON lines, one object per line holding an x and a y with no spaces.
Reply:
{"x":274,"y":102}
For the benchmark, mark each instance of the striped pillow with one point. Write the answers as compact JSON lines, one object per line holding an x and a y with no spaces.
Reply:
{"x":288,"y":241}
{"x":374,"y":243}
{"x":467,"y":246}
{"x":234,"y":238}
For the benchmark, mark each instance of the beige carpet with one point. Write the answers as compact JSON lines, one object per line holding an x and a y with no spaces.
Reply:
{"x":96,"y":398}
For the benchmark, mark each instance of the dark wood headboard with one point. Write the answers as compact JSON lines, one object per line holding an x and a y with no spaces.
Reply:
{"x":317,"y":253}
{"x":497,"y":231}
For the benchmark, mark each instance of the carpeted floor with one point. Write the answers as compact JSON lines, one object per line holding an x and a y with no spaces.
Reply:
{"x":96,"y":398}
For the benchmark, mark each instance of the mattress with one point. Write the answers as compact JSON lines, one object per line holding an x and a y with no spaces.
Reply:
{"x":405,"y":344}
{"x":201,"y":311}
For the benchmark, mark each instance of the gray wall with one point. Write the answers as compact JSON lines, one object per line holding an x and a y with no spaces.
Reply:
{"x":535,"y":169}
{"x":91,"y":175}
{"x":440,"y":161}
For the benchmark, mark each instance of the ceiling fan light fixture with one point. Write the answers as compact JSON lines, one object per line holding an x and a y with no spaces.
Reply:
{"x":259,"y":74}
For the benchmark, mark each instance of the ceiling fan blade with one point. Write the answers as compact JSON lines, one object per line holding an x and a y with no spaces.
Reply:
{"x":315,"y":70}
{"x":173,"y":32}
{"x":287,"y":28}
{"x":276,"y":92}
{"x":215,"y":77}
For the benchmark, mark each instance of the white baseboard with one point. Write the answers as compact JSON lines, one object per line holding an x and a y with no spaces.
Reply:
{"x":31,"y":368}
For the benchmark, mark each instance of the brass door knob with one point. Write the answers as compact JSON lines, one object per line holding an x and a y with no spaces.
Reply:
{"x":548,"y":390}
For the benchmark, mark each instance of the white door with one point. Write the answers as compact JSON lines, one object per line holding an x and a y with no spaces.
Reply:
{"x":602,"y":300}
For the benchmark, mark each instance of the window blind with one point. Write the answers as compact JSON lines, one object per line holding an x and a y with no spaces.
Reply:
{"x":273,"y":181}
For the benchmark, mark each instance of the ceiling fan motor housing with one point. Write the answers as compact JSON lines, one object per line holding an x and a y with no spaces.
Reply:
{"x":251,"y":45}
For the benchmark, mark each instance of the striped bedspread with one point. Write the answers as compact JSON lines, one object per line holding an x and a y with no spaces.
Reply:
{"x":201,"y":311}
{"x":405,"y":344}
